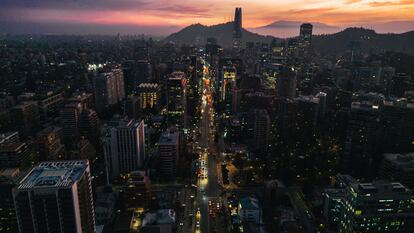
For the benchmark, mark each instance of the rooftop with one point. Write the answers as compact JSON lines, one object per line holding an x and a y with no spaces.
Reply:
{"x":9,"y":136}
{"x":60,"y":174}
{"x":177,"y":75}
{"x":249,"y":203}
{"x":379,"y":188}
{"x":402,"y":161}
{"x":170,"y":137}
{"x":148,"y":85}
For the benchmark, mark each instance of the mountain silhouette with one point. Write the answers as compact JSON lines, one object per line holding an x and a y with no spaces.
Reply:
{"x":367,"y":39}
{"x":197,"y":34}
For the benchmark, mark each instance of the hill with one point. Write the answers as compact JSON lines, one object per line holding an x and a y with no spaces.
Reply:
{"x":365,"y":39}
{"x":284,"y":29}
{"x":197,"y":34}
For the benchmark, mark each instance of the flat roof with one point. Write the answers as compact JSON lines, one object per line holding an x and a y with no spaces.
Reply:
{"x":402,"y":161}
{"x":58,"y":174}
{"x":169,"y":138}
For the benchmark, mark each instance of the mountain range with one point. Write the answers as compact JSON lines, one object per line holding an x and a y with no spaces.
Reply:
{"x":285,"y":29}
{"x":368,"y":39}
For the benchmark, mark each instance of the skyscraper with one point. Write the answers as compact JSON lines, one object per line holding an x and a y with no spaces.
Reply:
{"x":228,"y":79}
{"x":168,"y":152}
{"x":286,"y":83}
{"x":124,"y":146}
{"x":238,"y":29}
{"x":306,"y":33}
{"x":109,"y":88}
{"x":176,"y":102}
{"x":261,"y":129}
{"x":69,"y":119}
{"x":56,"y":197}
{"x":8,"y":180}
{"x":361,"y":138}
{"x":150,"y":94}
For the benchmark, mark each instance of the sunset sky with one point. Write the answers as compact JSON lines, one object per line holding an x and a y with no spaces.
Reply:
{"x":170,"y":15}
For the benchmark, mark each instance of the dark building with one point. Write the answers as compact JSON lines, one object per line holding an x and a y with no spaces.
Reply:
{"x":49,"y":144}
{"x":286,"y":83}
{"x":56,"y":197}
{"x":88,"y":126}
{"x":69,"y":120}
{"x":50,"y":104}
{"x":136,"y":72}
{"x":8,"y":180}
{"x":176,"y":99}
{"x":376,"y":207}
{"x":306,"y":33}
{"x":168,"y":152}
{"x":360,"y":143}
{"x":17,"y":154}
{"x":238,"y":29}
{"x":136,"y":193}
{"x":26,"y":117}
{"x":399,"y":168}
{"x":261,"y":130}
{"x":109,"y":88}
{"x":398,"y":124}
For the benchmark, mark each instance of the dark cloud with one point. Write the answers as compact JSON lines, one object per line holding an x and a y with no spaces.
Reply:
{"x":77,"y":4}
{"x":83,"y":29}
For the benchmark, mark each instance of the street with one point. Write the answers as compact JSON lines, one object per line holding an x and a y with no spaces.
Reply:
{"x":208,"y":188}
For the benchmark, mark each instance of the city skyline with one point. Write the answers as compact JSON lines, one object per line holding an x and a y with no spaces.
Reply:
{"x":213,"y":129}
{"x":162,"y":17}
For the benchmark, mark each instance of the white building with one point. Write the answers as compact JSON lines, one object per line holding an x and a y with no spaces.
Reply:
{"x":124,"y":146}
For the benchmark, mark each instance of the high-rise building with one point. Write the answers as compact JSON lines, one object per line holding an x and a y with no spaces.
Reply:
{"x":109,"y":88}
{"x":133,"y":107}
{"x":377,"y":207}
{"x":56,"y":197}
{"x":16,"y":154}
{"x":398,"y":123}
{"x":306,"y":33}
{"x":238,"y":29}
{"x":136,"y":72}
{"x":176,"y":98}
{"x":360,"y":142}
{"x":399,"y":168}
{"x":50,"y":104}
{"x":261,"y":129}
{"x":124,"y":146}
{"x":26,"y":117}
{"x":8,"y":180}
{"x":229,"y":74}
{"x":49,"y":144}
{"x":88,"y":125}
{"x":286,"y":83}
{"x":69,"y":120}
{"x":168,"y":152}
{"x":150,"y":94}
